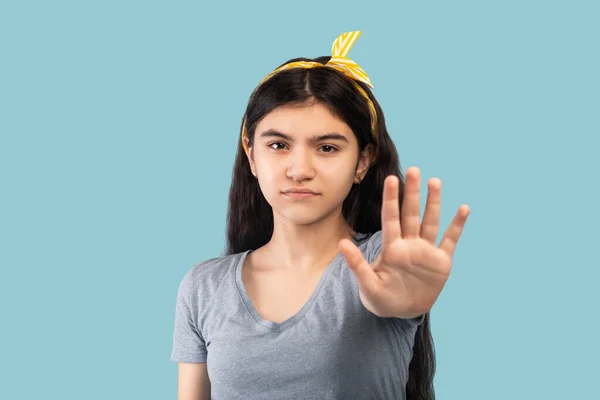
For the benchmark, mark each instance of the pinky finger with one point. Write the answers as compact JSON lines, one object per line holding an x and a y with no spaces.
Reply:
{"x":452,"y":234}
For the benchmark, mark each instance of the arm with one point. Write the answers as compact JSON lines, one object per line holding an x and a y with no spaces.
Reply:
{"x":193,"y":382}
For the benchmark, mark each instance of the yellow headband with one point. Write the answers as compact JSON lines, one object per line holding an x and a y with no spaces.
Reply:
{"x":340,"y":48}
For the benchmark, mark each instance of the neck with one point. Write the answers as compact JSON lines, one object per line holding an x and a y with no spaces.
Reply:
{"x":302,"y":247}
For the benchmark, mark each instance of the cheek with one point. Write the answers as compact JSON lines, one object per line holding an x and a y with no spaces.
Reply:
{"x":267,"y":176}
{"x":339,"y":172}
{"x":339,"y":180}
{"x":265,"y":170}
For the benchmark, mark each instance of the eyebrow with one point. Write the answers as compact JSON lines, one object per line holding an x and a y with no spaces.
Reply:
{"x":314,"y":138}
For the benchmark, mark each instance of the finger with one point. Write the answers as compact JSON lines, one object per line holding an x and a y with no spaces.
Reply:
{"x":450,"y":239}
{"x":431,"y":217}
{"x":390,"y":211}
{"x":363,"y":272}
{"x":411,"y":208}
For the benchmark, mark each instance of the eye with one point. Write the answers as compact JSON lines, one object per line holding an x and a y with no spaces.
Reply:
{"x":276,"y":143}
{"x":328,"y":149}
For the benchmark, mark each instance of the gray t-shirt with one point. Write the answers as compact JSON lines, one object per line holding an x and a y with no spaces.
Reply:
{"x":333,"y":348}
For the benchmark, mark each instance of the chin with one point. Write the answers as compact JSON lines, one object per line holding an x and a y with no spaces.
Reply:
{"x":303,"y":214}
{"x":302,"y":219}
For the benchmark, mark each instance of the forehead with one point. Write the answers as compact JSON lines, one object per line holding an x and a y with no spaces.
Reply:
{"x":304,"y":120}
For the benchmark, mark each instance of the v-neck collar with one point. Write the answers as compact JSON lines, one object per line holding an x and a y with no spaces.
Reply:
{"x":278,"y":327}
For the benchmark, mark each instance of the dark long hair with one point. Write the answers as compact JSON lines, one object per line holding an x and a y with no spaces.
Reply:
{"x":250,"y":217}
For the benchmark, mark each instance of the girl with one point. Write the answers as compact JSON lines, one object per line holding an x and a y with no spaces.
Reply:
{"x":328,"y":280}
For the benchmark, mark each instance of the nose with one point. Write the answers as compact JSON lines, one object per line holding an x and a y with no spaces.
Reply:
{"x":300,"y":165}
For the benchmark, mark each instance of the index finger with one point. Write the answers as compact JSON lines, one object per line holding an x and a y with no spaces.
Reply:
{"x":390,"y":210}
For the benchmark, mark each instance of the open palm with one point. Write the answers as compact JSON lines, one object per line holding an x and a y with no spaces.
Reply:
{"x":409,"y":273}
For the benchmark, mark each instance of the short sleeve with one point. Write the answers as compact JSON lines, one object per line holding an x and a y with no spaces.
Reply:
{"x":188,"y":343}
{"x":373,"y":249}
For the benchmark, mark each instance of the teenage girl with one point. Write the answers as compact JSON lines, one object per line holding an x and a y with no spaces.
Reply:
{"x":329,"y":275}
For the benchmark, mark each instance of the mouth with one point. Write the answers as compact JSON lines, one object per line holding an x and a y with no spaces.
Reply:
{"x":299,"y":194}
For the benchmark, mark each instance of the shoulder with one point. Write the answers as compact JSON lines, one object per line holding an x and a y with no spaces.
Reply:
{"x":204,"y":276}
{"x":369,"y":244}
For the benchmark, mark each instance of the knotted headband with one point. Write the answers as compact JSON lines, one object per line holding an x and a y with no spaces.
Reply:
{"x":339,"y":50}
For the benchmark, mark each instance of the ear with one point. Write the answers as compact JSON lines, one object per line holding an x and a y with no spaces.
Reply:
{"x":250,"y":156}
{"x":364,"y":162}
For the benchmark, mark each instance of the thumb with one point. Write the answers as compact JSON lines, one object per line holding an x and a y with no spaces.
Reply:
{"x":361,"y":269}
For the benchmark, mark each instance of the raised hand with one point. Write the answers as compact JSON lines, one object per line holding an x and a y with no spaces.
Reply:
{"x":409,"y":273}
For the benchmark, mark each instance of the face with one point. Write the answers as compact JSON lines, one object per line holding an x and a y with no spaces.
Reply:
{"x":306,"y":148}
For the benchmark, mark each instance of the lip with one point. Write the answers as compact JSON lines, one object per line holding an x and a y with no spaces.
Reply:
{"x":299,"y":193}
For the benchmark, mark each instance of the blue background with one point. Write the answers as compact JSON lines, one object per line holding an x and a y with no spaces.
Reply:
{"x":119,"y":122}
